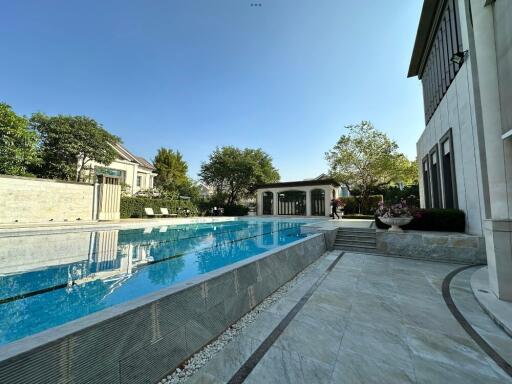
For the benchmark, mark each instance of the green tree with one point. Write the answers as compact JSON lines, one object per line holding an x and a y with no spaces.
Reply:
{"x":172,"y":177}
{"x":18,"y":143}
{"x":69,"y":143}
{"x":171,"y":169}
{"x":366,"y":159}
{"x":234,"y":172}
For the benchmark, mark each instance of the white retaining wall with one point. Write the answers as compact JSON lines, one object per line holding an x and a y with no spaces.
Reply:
{"x":24,"y":199}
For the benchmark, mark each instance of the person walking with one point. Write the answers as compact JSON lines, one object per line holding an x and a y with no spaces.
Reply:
{"x":334,"y":208}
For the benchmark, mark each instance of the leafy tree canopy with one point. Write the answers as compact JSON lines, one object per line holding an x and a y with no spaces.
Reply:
{"x":171,"y":168}
{"x":366,"y":159}
{"x":18,"y":143}
{"x":172,"y":178}
{"x":69,"y":143}
{"x":234,"y":172}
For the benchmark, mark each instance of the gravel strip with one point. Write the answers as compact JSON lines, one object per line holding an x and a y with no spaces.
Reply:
{"x":199,"y":359}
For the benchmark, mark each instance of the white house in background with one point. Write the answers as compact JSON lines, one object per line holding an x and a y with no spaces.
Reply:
{"x":205,"y":191}
{"x":342,"y":191}
{"x":463,"y":57}
{"x":135,"y":172}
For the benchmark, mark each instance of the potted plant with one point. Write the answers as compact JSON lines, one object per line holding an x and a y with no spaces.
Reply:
{"x":396,"y":215}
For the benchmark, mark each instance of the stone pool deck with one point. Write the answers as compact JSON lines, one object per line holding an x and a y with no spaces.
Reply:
{"x":370,"y":319}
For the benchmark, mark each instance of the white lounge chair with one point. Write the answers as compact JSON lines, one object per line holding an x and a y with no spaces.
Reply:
{"x":149,"y":213}
{"x":165,"y":213}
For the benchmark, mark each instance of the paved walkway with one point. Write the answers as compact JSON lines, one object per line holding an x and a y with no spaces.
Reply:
{"x":373,"y":319}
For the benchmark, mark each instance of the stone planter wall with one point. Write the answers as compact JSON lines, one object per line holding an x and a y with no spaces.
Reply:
{"x":435,"y":246}
{"x":326,"y":227}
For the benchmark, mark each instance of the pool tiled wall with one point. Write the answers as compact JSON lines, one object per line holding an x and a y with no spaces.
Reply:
{"x":143,"y":340}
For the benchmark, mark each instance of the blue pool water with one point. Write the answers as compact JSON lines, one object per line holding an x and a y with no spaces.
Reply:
{"x":63,"y":277}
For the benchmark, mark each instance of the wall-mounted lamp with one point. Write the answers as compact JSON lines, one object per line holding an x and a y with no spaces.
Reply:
{"x":458,"y":57}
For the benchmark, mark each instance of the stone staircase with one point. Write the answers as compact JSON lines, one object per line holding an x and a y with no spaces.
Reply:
{"x":356,"y":239}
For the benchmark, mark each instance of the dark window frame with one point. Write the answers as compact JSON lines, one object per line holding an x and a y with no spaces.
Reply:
{"x":264,"y":196}
{"x":289,"y":206}
{"x":435,"y":151}
{"x":448,"y":136}
{"x":317,"y":204}
{"x":425,"y":168}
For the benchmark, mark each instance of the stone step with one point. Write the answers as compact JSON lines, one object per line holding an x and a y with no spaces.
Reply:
{"x":355,"y":240}
{"x":357,"y":230}
{"x":356,"y":243}
{"x":354,"y":248}
{"x":355,"y":235}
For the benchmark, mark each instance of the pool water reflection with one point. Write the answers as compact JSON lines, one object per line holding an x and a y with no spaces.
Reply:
{"x":49,"y":280}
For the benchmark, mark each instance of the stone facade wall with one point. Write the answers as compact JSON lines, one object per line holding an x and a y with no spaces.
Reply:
{"x":457,"y":111}
{"x":435,"y":246}
{"x":24,"y":199}
{"x":142,"y":340}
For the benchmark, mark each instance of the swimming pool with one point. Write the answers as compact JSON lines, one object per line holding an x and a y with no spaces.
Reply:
{"x":59,"y":278}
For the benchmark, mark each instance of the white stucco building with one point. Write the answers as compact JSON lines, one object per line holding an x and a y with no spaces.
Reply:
{"x":205,"y":191}
{"x":463,"y":57}
{"x":296,"y":198}
{"x":135,"y":172}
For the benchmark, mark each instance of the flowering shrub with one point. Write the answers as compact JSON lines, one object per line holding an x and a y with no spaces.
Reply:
{"x":396,"y":210}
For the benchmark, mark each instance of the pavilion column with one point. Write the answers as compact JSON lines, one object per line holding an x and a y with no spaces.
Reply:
{"x":328,"y":197}
{"x":259,"y":203}
{"x":275,"y":203}
{"x":308,"y":203}
{"x":498,"y":155}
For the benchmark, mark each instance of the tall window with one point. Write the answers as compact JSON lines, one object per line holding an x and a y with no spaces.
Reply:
{"x":434,"y":175}
{"x":139,"y":181}
{"x":438,"y":70}
{"x":318,"y":202}
{"x":426,"y":182}
{"x":268,"y":202}
{"x":448,"y":165}
{"x":292,"y":203}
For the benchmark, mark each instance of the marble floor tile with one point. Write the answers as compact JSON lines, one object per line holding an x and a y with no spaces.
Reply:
{"x":318,"y":342}
{"x":227,"y":362}
{"x":384,"y":346}
{"x":280,"y":366}
{"x":430,"y":371}
{"x":373,"y":319}
{"x":354,"y":368}
{"x":460,"y":352}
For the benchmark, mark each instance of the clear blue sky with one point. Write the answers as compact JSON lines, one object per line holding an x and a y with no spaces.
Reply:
{"x":195,"y":74}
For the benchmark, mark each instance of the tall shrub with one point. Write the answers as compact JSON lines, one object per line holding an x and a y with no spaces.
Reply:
{"x":134,"y":206}
{"x":18,"y":143}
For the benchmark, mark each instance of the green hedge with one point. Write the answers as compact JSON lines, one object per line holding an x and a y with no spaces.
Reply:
{"x":354,"y":206}
{"x":205,"y":208}
{"x":134,"y":206}
{"x":433,"y":219}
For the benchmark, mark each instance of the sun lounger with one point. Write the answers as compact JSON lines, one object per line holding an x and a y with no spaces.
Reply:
{"x":165,"y":213}
{"x":149,"y":213}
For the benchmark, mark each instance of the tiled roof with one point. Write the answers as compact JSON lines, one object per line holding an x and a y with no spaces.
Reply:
{"x":142,"y":161}
{"x":302,"y":183}
{"x":127,"y":155}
